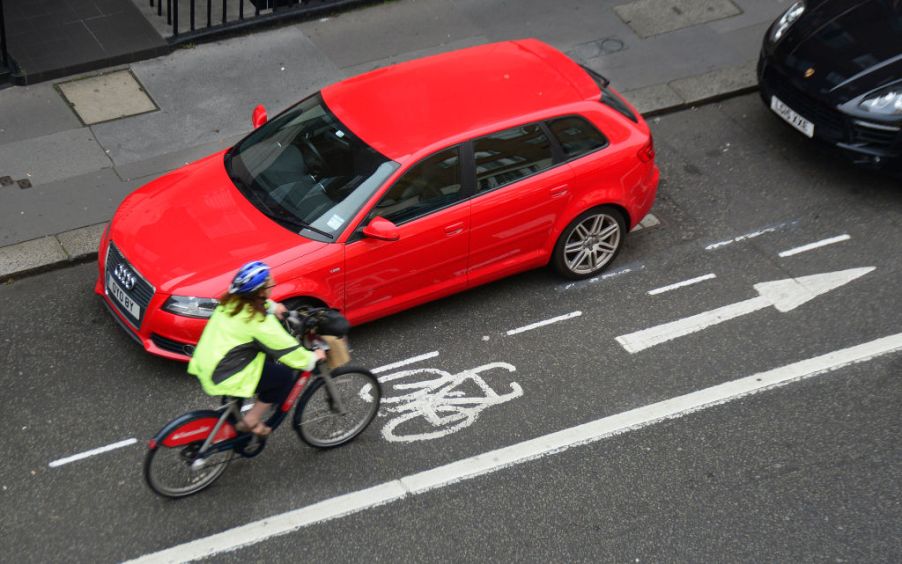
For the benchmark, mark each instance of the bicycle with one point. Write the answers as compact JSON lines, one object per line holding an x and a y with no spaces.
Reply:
{"x":333,"y":407}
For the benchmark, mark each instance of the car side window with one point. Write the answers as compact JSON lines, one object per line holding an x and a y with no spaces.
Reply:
{"x":509,"y":155}
{"x":577,"y":136}
{"x":431,"y":184}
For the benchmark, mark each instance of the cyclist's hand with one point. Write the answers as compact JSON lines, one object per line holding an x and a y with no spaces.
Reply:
{"x":280,"y":310}
{"x":320,"y":355}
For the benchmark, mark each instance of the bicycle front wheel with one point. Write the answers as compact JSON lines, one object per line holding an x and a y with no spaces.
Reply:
{"x":323,"y":421}
{"x":171,"y":465}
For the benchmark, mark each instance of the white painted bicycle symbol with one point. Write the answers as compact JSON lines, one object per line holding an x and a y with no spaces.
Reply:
{"x":441,"y":405}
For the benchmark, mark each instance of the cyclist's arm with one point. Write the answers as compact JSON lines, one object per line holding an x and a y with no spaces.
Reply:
{"x":280,"y":345}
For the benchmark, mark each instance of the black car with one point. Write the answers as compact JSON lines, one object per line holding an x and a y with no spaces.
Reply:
{"x":833,"y":70}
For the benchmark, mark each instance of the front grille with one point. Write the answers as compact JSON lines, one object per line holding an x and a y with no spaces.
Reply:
{"x":878,"y":138}
{"x":828,"y":122}
{"x":171,"y":345}
{"x":140,"y":294}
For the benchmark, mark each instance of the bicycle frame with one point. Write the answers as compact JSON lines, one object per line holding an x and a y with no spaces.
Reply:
{"x":223,"y":436}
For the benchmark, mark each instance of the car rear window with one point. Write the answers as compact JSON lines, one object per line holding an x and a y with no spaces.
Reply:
{"x":577,"y":136}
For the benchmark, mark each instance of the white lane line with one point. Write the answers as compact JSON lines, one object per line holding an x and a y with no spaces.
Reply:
{"x":519,"y":453}
{"x":538,"y":324}
{"x":612,"y":274}
{"x":815,"y":245}
{"x":751,"y":235}
{"x":689,"y":282}
{"x":101,"y":450}
{"x":401,"y":363}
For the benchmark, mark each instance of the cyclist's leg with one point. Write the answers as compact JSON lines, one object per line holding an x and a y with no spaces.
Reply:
{"x":274,"y":386}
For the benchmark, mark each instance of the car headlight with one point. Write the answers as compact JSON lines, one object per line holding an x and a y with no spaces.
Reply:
{"x":189,"y":306}
{"x":887,"y":102}
{"x":788,"y":18}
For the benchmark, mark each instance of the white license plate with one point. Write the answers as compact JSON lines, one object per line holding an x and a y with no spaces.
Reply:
{"x":791,"y":117}
{"x":117,"y":292}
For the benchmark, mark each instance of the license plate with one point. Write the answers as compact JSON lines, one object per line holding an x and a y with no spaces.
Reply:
{"x":791,"y":117}
{"x":117,"y":292}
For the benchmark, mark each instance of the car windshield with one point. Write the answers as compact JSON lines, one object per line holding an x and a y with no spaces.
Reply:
{"x":307,"y":171}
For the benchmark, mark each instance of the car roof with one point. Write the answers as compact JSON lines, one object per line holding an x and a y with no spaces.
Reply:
{"x":403,"y":108}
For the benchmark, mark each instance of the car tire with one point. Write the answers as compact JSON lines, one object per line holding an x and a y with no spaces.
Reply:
{"x":589,"y":243}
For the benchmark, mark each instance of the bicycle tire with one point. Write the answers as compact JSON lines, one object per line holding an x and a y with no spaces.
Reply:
{"x":160,"y":458}
{"x":318,"y":424}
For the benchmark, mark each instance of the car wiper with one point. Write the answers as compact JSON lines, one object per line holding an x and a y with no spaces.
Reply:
{"x":300,"y":223}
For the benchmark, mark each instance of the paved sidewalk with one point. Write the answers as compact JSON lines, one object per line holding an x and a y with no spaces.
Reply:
{"x":71,"y":151}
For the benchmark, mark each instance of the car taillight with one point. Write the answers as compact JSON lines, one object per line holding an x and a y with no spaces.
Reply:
{"x":647,"y":152}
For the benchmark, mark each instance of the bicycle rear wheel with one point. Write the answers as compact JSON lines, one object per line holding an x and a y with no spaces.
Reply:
{"x":170,"y":467}
{"x":317,"y":420}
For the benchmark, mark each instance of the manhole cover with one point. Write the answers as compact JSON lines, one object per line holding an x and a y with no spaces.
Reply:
{"x":107,"y":97}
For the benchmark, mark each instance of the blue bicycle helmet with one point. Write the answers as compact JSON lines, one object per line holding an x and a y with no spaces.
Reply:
{"x":250,"y":278}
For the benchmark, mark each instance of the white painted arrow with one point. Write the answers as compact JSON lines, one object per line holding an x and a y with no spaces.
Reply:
{"x":785,"y":295}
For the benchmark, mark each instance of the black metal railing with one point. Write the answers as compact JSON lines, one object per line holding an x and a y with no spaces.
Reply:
{"x":194,"y":19}
{"x":5,"y":64}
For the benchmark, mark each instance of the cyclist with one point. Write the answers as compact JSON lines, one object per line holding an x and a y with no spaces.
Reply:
{"x":238,"y":350}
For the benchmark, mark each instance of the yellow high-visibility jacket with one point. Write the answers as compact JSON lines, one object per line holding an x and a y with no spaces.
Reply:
{"x":229,"y":357}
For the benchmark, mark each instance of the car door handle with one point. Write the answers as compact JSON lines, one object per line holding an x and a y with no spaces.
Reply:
{"x":559,"y":191}
{"x":454,"y":228}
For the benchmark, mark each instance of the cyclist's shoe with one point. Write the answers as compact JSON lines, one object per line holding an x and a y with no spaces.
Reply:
{"x":261,"y":429}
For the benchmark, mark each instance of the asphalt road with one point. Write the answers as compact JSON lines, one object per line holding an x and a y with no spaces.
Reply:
{"x":810,"y":471}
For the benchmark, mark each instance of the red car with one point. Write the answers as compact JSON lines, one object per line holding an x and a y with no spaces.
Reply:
{"x":390,"y":189}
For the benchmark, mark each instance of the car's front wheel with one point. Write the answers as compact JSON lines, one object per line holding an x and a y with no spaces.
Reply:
{"x":590,"y":242}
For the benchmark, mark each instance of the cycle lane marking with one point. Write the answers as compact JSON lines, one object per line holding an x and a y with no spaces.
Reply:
{"x":92,"y":452}
{"x":815,"y":245}
{"x":538,"y":324}
{"x":437,"y":403}
{"x":533,"y":449}
{"x":682,"y":284}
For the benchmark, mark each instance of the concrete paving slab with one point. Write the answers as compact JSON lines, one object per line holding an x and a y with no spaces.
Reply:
{"x":83,"y":242}
{"x":747,"y":39}
{"x":53,"y":157}
{"x":207,"y":92}
{"x":378,"y":33}
{"x":371,"y":65}
{"x":566,"y":25}
{"x":60,"y":206}
{"x":105,"y":97}
{"x":156,"y":166}
{"x":30,"y":255}
{"x":716,"y":83}
{"x":654,"y":17}
{"x":653,"y":98}
{"x":753,"y":12}
{"x":667,"y":57}
{"x":33,"y":111}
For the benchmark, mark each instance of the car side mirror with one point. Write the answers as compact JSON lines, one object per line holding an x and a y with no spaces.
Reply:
{"x":259,"y":117}
{"x":382,"y":229}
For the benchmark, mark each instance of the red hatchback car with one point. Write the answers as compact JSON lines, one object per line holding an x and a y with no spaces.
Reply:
{"x":390,"y":189}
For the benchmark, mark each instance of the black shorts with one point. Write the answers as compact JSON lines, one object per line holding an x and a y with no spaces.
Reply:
{"x":275,"y":382}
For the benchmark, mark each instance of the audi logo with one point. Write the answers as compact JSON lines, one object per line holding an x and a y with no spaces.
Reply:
{"x":125,"y":276}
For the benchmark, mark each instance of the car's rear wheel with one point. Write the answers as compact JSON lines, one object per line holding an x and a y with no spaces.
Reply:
{"x":590,"y":242}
